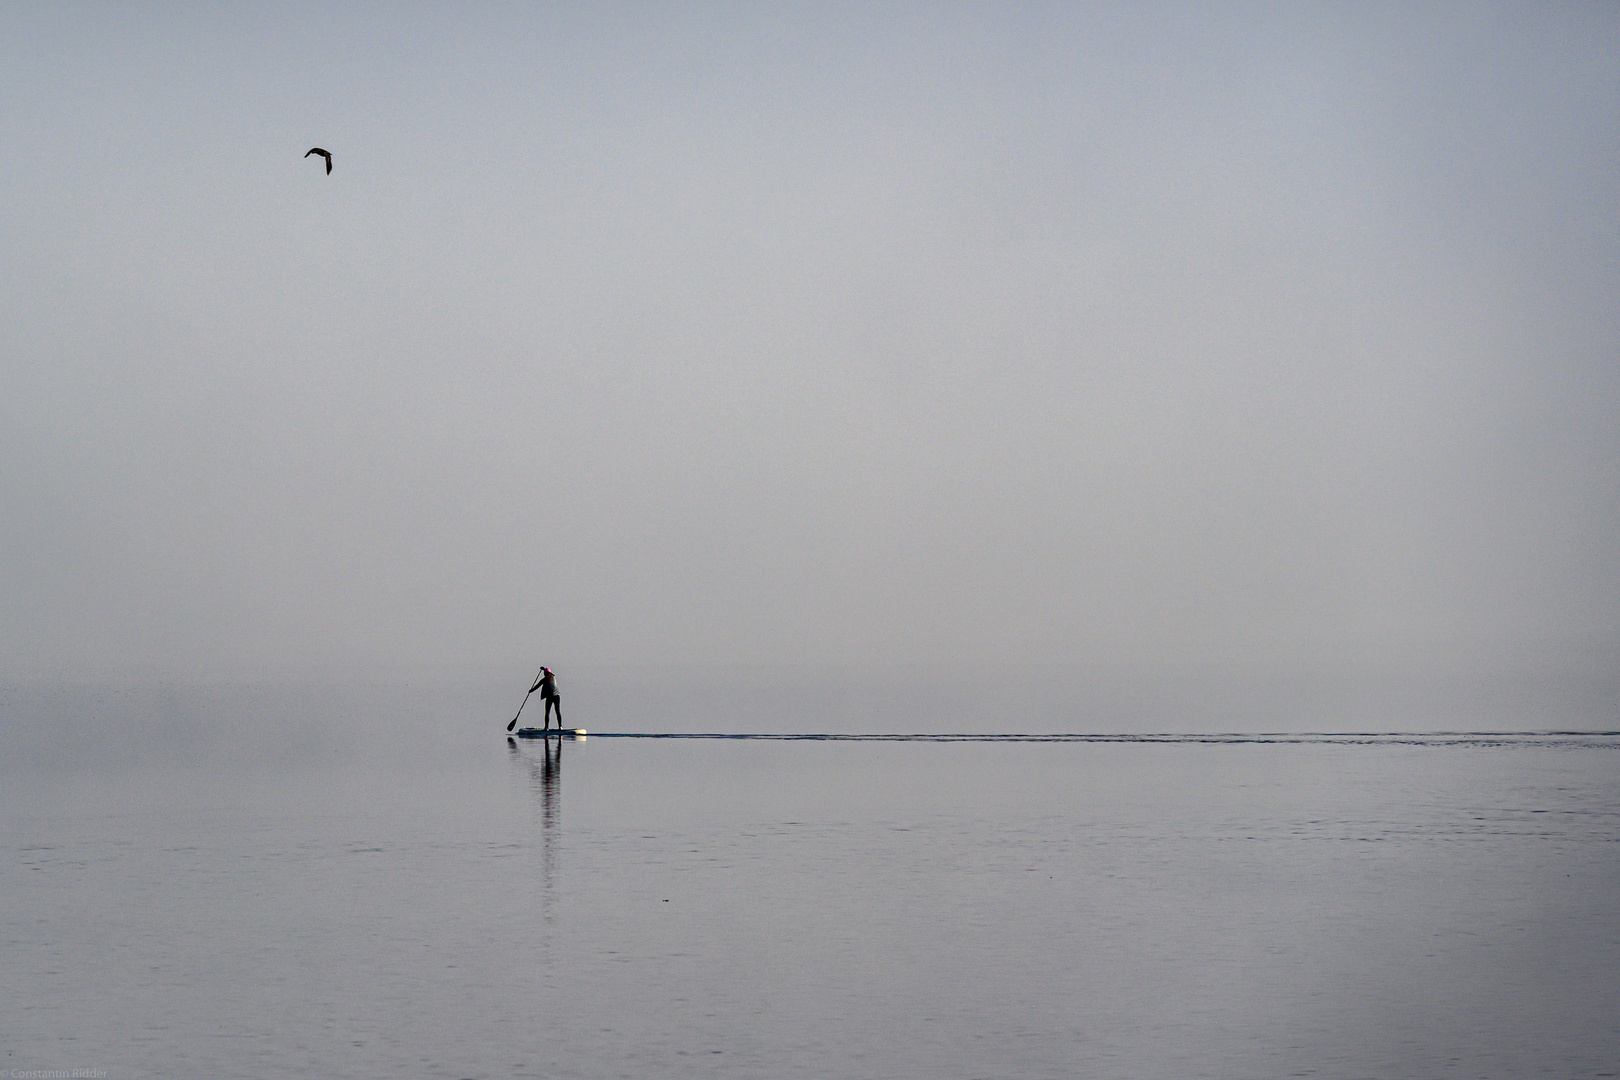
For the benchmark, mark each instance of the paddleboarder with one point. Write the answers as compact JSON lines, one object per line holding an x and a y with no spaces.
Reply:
{"x":549,"y":695}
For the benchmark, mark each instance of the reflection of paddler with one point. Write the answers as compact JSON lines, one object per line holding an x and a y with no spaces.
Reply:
{"x":547,"y":685}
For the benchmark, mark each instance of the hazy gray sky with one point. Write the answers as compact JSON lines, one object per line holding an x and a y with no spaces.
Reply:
{"x":797,"y":335}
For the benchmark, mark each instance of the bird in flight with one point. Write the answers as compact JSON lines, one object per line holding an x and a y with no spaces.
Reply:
{"x":327,"y":154}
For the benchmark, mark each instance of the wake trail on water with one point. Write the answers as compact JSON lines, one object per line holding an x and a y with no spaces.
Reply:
{"x":1561,"y":739}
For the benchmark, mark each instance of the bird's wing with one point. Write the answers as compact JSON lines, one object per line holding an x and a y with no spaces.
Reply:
{"x":328,"y":164}
{"x":318,"y":150}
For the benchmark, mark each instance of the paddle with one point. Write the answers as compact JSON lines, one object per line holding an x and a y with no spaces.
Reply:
{"x":532,"y":689}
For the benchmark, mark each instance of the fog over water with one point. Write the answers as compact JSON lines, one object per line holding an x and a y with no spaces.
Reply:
{"x":1135,"y":380}
{"x":835,"y":344}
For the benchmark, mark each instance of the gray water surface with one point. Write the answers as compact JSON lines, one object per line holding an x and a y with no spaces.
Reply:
{"x":1327,"y":905}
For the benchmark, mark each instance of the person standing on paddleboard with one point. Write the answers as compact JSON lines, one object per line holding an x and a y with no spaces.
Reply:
{"x":552,"y":699}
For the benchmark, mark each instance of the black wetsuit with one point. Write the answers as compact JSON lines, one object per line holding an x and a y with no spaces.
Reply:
{"x":553,"y":700}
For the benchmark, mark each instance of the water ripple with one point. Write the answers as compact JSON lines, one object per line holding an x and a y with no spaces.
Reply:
{"x":1559,"y":739}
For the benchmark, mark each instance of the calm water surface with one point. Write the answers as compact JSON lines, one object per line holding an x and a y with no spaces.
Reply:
{"x":637,"y":908}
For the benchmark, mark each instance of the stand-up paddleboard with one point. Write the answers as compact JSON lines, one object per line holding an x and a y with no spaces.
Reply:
{"x":542,"y":733}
